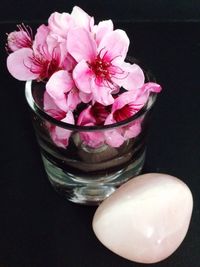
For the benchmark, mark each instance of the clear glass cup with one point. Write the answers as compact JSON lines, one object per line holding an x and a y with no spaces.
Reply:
{"x":80,"y":172}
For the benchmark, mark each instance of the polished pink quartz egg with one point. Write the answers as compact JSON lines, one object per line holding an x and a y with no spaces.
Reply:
{"x":146,"y":219}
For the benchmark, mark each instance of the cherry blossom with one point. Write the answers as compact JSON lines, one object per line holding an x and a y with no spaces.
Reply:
{"x":38,"y":62}
{"x":86,"y":77}
{"x":101,"y":70}
{"x":59,"y":135}
{"x":125,"y":106}
{"x":19,"y":39}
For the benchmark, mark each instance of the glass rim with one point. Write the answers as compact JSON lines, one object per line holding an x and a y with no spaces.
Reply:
{"x":43,"y":115}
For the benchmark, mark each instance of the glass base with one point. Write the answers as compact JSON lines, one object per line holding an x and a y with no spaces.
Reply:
{"x":85,"y":190}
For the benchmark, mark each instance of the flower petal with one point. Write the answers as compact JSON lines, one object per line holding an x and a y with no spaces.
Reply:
{"x":133,"y":77}
{"x":18,"y":39}
{"x":59,"y":23}
{"x":81,"y":18}
{"x":60,"y":83}
{"x":81,"y":45}
{"x":92,"y":139}
{"x":102,"y":94}
{"x":116,"y":44}
{"x":152,"y":87}
{"x":123,"y":99}
{"x":102,"y":29}
{"x":40,"y":38}
{"x":60,"y":136}
{"x":114,"y":136}
{"x":85,"y":98}
{"x":19,"y":64}
{"x":73,"y":99}
{"x":82,"y":76}
{"x":51,"y":108}
{"x":143,"y":93}
{"x":133,"y":130}
{"x":86,"y":117}
{"x":68,"y":62}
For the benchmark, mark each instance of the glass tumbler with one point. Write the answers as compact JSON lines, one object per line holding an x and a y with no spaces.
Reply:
{"x":81,"y":172}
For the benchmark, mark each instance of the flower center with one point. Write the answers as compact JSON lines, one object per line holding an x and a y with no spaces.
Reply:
{"x":45,"y":67}
{"x":105,"y":71}
{"x":124,"y":113}
{"x":100,"y":112}
{"x":100,"y":67}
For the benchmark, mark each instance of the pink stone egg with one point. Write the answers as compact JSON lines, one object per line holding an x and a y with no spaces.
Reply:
{"x":146,"y":219}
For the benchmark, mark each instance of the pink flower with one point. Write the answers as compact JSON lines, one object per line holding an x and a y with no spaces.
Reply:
{"x":19,"y":39}
{"x":101,"y":70}
{"x":129,"y":103}
{"x":93,"y":116}
{"x":125,"y":106}
{"x":60,"y":136}
{"x":48,"y":54}
{"x":88,"y":82}
{"x":38,"y":62}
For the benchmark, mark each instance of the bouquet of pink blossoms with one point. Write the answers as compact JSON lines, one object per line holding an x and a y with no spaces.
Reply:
{"x":87,"y":81}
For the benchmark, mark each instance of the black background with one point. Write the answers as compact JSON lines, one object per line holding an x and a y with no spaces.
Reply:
{"x":129,"y":10}
{"x":37,"y":227}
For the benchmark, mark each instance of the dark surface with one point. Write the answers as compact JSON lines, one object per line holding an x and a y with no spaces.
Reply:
{"x":37,"y":227}
{"x":122,"y":10}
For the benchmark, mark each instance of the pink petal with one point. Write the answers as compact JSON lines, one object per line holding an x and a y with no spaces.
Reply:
{"x":68,"y":62}
{"x":152,"y":87}
{"x":133,"y":130}
{"x":69,"y":118}
{"x":116,"y":44}
{"x":51,"y":108}
{"x":60,"y":136}
{"x":92,"y":139}
{"x":59,"y":23}
{"x":123,"y":99}
{"x":19,"y":64}
{"x":55,"y":48}
{"x":102,"y":94}
{"x":143,"y":93}
{"x":141,"y":98}
{"x":81,"y":18}
{"x":72,"y":99}
{"x":81,"y":45}
{"x":85,"y":98}
{"x":113,"y":136}
{"x":18,"y":39}
{"x":82,"y":76}
{"x":40,"y":37}
{"x":48,"y":45}
{"x":133,"y":77}
{"x":86,"y":117}
{"x":102,"y":29}
{"x":60,"y":83}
